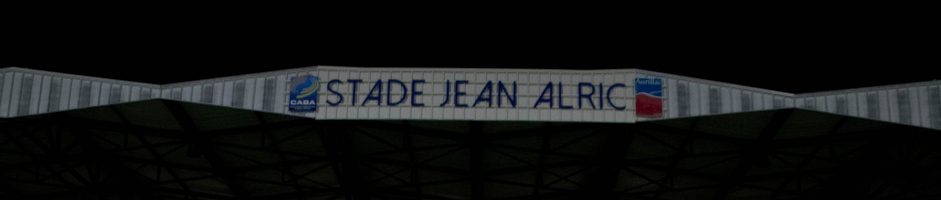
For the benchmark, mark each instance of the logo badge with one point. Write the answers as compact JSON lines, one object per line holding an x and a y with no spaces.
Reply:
{"x":649,"y":97}
{"x":303,"y":95}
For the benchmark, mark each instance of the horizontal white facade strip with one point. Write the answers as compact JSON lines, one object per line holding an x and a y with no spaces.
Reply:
{"x":392,"y":94}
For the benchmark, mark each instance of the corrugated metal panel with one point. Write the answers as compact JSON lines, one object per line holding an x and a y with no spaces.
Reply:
{"x":238,"y":94}
{"x":913,"y":101}
{"x":116,"y":94}
{"x":125,"y":93}
{"x":15,"y":94}
{"x":748,"y":103}
{"x":683,"y":99}
{"x":715,"y":101}
{"x":99,"y":93}
{"x":673,"y":100}
{"x":227,"y":93}
{"x":842,"y":106}
{"x":25,"y":95}
{"x":904,"y":106}
{"x":778,"y":103}
{"x":217,"y":94}
{"x":186,"y":94}
{"x":694,"y":95}
{"x":726,"y":100}
{"x":55,"y":95}
{"x":44,"y":94}
{"x":257,"y":94}
{"x":34,"y":93}
{"x":924,"y":107}
{"x":268,"y":94}
{"x":208,"y":93}
{"x":84,"y":94}
{"x":934,"y":106}
{"x":7,"y":80}
{"x":874,"y":110}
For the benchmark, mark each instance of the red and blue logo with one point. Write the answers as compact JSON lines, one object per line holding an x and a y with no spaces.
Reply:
{"x":648,"y":97}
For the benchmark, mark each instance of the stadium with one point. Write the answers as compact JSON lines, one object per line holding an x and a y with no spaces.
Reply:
{"x":329,"y":132}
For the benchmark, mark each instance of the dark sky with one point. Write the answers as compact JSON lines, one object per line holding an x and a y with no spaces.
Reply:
{"x":791,"y":55}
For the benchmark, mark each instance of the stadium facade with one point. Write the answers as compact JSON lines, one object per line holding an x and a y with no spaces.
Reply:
{"x":436,"y":133}
{"x":349,"y":93}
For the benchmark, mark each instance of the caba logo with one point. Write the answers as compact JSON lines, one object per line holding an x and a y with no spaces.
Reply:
{"x":303,"y":95}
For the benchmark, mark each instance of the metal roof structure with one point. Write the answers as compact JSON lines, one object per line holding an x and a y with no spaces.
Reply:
{"x":167,"y":149}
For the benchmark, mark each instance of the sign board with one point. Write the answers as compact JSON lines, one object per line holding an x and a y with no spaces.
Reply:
{"x":649,"y":97}
{"x":303,"y":95}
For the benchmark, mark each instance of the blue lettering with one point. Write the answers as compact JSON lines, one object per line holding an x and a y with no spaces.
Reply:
{"x":547,"y":89}
{"x":377,"y":89}
{"x":354,"y":83}
{"x":458,"y":93}
{"x":600,"y":96}
{"x":389,"y":92}
{"x":510,"y":98}
{"x":609,"y":96}
{"x":488,"y":89}
{"x":562,"y":106}
{"x":416,"y":92}
{"x":330,"y":88}
{"x":447,"y":93}
{"x":582,"y":95}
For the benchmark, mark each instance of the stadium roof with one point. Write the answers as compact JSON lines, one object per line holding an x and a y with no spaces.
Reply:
{"x":163,"y":149}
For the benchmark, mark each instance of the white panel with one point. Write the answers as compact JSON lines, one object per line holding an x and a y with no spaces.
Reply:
{"x":249,"y":102}
{"x":757,"y":101}
{"x":73,"y":93}
{"x":217,"y":94}
{"x":694,"y":99}
{"x":923,"y":106}
{"x":197,"y":95}
{"x":703,"y":99}
{"x":851,"y":104}
{"x":15,"y":95}
{"x":893,"y":106}
{"x":259,"y":94}
{"x":227,"y":93}
{"x":736,"y":100}
{"x":100,"y":93}
{"x":862,"y":105}
{"x":95,"y":91}
{"x":5,"y":99}
{"x":726,"y":99}
{"x":65,"y":97}
{"x":672,"y":101}
{"x":188,"y":93}
{"x":767,"y":101}
{"x":135,"y":93}
{"x":821,"y":103}
{"x":37,"y":89}
{"x":831,"y":103}
{"x":883,"y":106}
{"x":125,"y":93}
{"x":165,"y":93}
{"x":44,"y":94}
{"x":799,"y":103}
{"x":789,"y":102}
{"x":279,"y":98}
{"x":913,"y":101}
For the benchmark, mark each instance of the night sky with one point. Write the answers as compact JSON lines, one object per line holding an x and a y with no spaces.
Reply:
{"x":799,"y":55}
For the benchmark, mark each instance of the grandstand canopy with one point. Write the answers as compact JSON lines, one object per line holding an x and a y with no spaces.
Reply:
{"x":165,"y":149}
